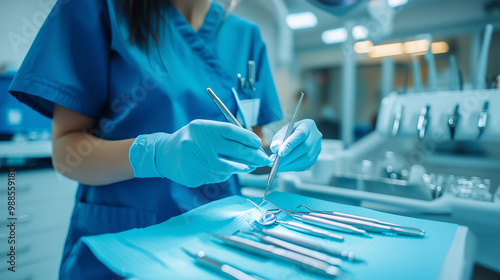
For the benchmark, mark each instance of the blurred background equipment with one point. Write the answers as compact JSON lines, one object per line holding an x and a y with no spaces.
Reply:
{"x":405,"y":93}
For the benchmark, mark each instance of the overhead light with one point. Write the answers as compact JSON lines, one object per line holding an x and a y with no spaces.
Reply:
{"x":363,"y":47}
{"x":359,"y":32}
{"x":417,"y":46}
{"x":14,"y":117}
{"x":386,"y":50}
{"x":301,"y":20}
{"x":440,"y":47}
{"x":333,"y":36}
{"x":396,"y":3}
{"x":420,"y":47}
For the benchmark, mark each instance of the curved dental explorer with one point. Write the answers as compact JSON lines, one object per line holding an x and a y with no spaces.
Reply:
{"x":393,"y":227}
{"x":269,"y":218}
{"x":324,"y":223}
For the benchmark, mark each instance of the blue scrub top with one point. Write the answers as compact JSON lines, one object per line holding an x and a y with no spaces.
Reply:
{"x":81,"y":59}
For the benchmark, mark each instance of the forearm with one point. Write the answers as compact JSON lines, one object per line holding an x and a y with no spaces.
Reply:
{"x":91,"y":160}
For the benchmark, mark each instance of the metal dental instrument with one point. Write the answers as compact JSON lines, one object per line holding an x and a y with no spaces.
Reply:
{"x":271,"y":251}
{"x":483,"y":118}
{"x":483,"y":58}
{"x":270,"y":218}
{"x":311,"y":230}
{"x":227,"y":270}
{"x":329,"y":224}
{"x":274,"y":169}
{"x":239,"y":83}
{"x":453,"y":121}
{"x":368,"y":226}
{"x":296,"y":239}
{"x":251,"y":74}
{"x":397,"y":120}
{"x":324,"y":223}
{"x":297,"y":249}
{"x":226,"y":111}
{"x":460,"y":79}
{"x":432,"y":79}
{"x":417,"y":78}
{"x":362,"y":219}
{"x":423,"y":121}
{"x":454,"y":79}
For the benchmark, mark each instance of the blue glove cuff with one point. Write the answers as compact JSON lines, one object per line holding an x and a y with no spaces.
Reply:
{"x":142,"y":155}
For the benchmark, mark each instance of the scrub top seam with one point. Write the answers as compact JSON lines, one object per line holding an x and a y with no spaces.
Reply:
{"x":198,"y":45}
{"x":62,"y":96}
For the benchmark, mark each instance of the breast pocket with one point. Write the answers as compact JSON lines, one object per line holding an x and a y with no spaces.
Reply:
{"x":248,"y":106}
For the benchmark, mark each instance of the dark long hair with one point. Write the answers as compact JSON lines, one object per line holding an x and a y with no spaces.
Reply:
{"x":145,"y":19}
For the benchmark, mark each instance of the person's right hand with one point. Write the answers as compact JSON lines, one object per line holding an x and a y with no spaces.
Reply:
{"x":199,"y":153}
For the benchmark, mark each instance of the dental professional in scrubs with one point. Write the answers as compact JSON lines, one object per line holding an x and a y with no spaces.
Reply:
{"x":125,"y":84}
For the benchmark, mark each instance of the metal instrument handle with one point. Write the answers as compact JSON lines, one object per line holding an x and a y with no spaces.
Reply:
{"x":222,"y":107}
{"x":329,"y":224}
{"x":311,"y":230}
{"x":274,"y":252}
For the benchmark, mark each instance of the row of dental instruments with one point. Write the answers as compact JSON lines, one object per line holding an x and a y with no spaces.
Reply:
{"x":481,"y":81}
{"x":359,"y":218}
{"x":270,"y":218}
{"x":286,"y":236}
{"x":360,"y":224}
{"x":289,"y":131}
{"x":364,"y":224}
{"x":456,"y":76}
{"x":453,"y":120}
{"x":270,"y":251}
{"x":296,"y":248}
{"x":348,"y":223}
{"x":222,"y":107}
{"x":328,"y":223}
{"x":286,"y":246}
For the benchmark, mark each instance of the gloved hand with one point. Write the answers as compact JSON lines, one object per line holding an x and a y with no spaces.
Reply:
{"x":199,"y":153}
{"x":300,"y":150}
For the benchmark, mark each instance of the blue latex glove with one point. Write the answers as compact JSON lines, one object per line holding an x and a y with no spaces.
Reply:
{"x":199,"y":153}
{"x":300,"y":150}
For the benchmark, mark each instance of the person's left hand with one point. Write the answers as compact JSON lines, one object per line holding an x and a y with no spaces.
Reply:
{"x":300,"y":150}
